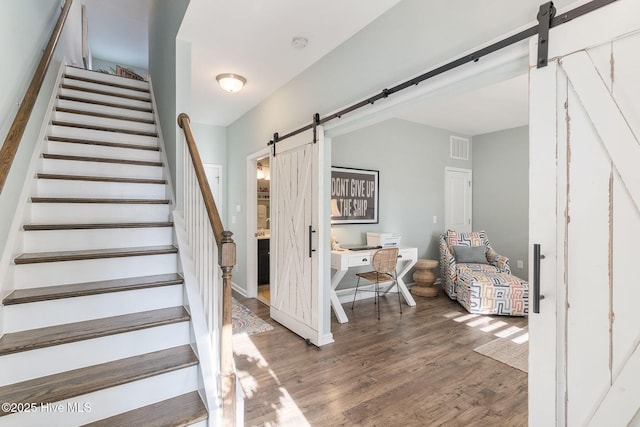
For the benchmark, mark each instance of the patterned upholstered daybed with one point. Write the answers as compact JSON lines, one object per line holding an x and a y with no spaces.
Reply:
{"x":478,"y":277}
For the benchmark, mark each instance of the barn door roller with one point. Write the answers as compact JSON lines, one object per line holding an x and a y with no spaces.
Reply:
{"x":545,"y":15}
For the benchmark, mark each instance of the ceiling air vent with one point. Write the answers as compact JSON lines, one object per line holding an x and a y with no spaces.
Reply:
{"x":459,"y":148}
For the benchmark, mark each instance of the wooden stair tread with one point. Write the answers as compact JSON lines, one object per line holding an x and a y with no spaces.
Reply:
{"x":66,"y":385}
{"x":102,"y":143}
{"x":104,"y":83}
{"x":96,"y":226}
{"x":180,"y":411}
{"x":105,"y":92}
{"x":104,"y":115}
{"x":95,"y":200}
{"x":106,"y":104}
{"x":101,"y":179}
{"x":100,"y":160}
{"x":40,"y":257}
{"x":23,"y":296}
{"x":104,"y":128}
{"x":15,"y":342}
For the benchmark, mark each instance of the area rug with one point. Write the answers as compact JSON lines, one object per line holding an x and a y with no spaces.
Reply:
{"x":244,"y":321}
{"x":511,"y":350}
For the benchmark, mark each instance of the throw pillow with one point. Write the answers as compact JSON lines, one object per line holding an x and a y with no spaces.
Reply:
{"x":471,"y":254}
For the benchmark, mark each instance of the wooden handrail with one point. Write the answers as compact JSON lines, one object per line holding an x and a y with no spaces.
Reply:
{"x":12,"y":141}
{"x":212,"y":210}
{"x":226,"y":260}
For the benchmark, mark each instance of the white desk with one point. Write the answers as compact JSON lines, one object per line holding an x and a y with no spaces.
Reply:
{"x":343,"y":259}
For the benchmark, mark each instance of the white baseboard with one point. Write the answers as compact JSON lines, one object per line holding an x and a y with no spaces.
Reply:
{"x":325,"y":339}
{"x":239,"y":289}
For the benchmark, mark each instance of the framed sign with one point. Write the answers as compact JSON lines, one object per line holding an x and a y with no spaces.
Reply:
{"x":354,"y":196}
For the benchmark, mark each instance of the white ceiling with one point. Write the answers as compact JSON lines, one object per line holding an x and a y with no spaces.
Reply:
{"x":499,"y":106}
{"x":253,"y":38}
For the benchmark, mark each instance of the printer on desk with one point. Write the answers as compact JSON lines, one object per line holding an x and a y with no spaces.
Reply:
{"x":385,"y":240}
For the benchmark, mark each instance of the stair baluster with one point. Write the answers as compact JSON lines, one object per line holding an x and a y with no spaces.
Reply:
{"x":203,"y":223}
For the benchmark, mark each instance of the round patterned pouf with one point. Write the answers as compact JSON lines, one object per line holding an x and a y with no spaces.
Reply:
{"x":425,"y":278}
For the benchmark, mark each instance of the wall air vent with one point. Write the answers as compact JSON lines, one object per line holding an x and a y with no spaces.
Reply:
{"x":459,"y":148}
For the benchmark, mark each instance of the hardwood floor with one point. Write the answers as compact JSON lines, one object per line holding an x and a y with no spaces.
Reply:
{"x":264,"y":295}
{"x":414,"y":369}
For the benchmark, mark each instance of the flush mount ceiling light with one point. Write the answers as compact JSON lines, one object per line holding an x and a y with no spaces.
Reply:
{"x":231,"y":82}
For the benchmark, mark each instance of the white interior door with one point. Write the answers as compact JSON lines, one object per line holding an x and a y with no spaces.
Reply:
{"x":296,"y":296}
{"x":585,"y":213}
{"x":214,"y":177}
{"x":457,"y":199}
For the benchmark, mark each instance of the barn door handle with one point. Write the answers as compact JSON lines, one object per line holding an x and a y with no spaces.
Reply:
{"x":537,"y":256}
{"x":311,"y":250}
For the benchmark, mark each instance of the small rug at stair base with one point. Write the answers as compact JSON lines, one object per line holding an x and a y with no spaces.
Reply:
{"x":244,"y":321}
{"x":507,"y":351}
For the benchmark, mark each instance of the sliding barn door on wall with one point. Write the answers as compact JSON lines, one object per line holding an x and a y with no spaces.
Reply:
{"x":296,"y":294}
{"x":585,"y":213}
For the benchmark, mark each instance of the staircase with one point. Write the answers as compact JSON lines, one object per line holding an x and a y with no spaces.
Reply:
{"x":96,"y":331}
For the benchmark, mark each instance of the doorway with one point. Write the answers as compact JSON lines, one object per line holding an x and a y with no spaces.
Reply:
{"x":263,"y":233}
{"x":214,"y":178}
{"x":251,"y":237}
{"x":457,"y":199}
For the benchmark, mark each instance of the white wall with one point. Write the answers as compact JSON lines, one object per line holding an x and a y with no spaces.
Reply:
{"x":21,"y":44}
{"x":25,"y":29}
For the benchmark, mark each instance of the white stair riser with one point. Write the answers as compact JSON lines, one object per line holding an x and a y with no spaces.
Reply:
{"x":19,"y":317}
{"x":89,"y":150}
{"x":107,"y":78}
{"x":105,"y":403}
{"x":71,"y":240}
{"x":67,"y":272}
{"x":90,"y":213}
{"x":72,"y":188}
{"x":115,"y":90}
{"x":103,"y":109}
{"x":108,"y":99}
{"x":27,"y":365}
{"x":106,"y":136}
{"x":102,"y":169}
{"x":82,"y":119}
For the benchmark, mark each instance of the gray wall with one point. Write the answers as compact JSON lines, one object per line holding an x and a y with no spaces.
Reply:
{"x":212,"y":146}
{"x":211,"y":141}
{"x":25,"y":28}
{"x":410,"y":38}
{"x":411,"y":158}
{"x":165,"y":17}
{"x":501,"y":193}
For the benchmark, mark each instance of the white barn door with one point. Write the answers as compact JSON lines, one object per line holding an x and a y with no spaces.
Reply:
{"x":296,"y":295}
{"x":585,"y":213}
